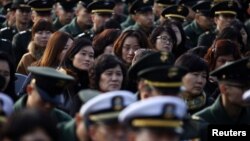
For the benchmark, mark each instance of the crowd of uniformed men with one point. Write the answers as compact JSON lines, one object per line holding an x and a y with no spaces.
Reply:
{"x":122,"y":70}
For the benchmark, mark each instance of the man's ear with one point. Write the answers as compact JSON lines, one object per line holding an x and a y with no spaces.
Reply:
{"x":223,"y":88}
{"x":78,"y":119}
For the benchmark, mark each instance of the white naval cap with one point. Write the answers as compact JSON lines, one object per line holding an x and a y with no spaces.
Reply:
{"x":107,"y":106}
{"x":6,"y":105}
{"x":156,"y":112}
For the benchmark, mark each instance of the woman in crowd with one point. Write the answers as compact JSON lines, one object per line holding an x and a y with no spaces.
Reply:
{"x":77,"y":62}
{"x":163,"y":39}
{"x":221,"y":52}
{"x":7,"y":70}
{"x":194,"y":82}
{"x":127,"y":43}
{"x":107,"y":74}
{"x":57,"y":46}
{"x":41,"y":32}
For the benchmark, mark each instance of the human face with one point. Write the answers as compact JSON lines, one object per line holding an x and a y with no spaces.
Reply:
{"x":84,"y":17}
{"x":65,"y":16}
{"x":205,"y":22}
{"x":223,"y":21}
{"x":164,"y":42}
{"x":35,"y":101}
{"x":99,"y":19}
{"x":41,"y":38}
{"x":23,"y":17}
{"x":130,"y":45}
{"x":84,"y":58}
{"x":65,"y":48}
{"x":152,"y":135}
{"x":36,"y":135}
{"x":145,"y":19}
{"x":102,"y":132}
{"x":5,"y":72}
{"x":145,"y":90}
{"x":194,"y":82}
{"x":111,"y":79}
{"x":235,"y":92}
{"x":221,"y":60}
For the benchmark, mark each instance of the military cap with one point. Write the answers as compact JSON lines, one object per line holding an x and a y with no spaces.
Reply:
{"x":87,"y":94}
{"x":155,"y":59}
{"x":41,"y":5}
{"x":165,"y":3}
{"x":203,"y":7}
{"x":175,"y":11}
{"x":21,"y":4}
{"x":164,"y":112}
{"x":8,"y":7}
{"x":67,"y":5}
{"x":167,"y":79}
{"x":141,"y":6}
{"x":6,"y":105}
{"x":106,"y":106}
{"x":225,"y":7}
{"x":50,"y":83}
{"x":101,"y":7}
{"x":237,"y":71}
{"x":188,"y":3}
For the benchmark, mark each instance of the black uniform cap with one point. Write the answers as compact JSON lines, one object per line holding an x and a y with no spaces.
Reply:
{"x":101,"y":7}
{"x":203,"y":8}
{"x":225,"y":7}
{"x":175,"y":11}
{"x":141,"y":6}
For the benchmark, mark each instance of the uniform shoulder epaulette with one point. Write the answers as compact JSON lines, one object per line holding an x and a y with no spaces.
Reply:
{"x":4,"y":40}
{"x":5,"y":28}
{"x":22,"y":32}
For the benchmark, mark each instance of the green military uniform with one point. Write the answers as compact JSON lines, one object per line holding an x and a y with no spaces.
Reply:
{"x":20,"y":44}
{"x":56,"y":24}
{"x":136,"y":26}
{"x":72,"y":28}
{"x":8,"y":33}
{"x":68,"y":131}
{"x":216,"y":114}
{"x":59,"y":115}
{"x":206,"y":39}
{"x":6,"y":47}
{"x":128,"y":22}
{"x":193,"y":31}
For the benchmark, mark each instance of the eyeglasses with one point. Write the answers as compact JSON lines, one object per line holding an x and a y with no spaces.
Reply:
{"x":165,"y":39}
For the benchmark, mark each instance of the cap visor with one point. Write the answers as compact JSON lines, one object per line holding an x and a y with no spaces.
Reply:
{"x":57,"y":99}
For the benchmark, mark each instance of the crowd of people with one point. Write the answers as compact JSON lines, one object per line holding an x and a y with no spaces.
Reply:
{"x":122,"y":70}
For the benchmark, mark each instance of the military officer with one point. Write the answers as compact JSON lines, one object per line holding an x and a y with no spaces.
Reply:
{"x":176,"y":13}
{"x":101,"y":11}
{"x":155,"y":119}
{"x":229,"y":107}
{"x":144,"y":17}
{"x":72,"y":130}
{"x":41,"y":9}
{"x":130,"y":18}
{"x":167,"y":81}
{"x":9,"y":12}
{"x":224,"y":13}
{"x":191,"y":14}
{"x":22,"y":21}
{"x":45,"y":92}
{"x":202,"y":22}
{"x":81,"y":23}
{"x":65,"y":13}
{"x":98,"y":118}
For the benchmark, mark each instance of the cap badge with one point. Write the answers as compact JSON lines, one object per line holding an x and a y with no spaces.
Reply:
{"x":145,"y":1}
{"x":117,"y":103}
{"x":179,"y":9}
{"x":169,"y":111}
{"x":164,"y":56}
{"x":172,"y":72}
